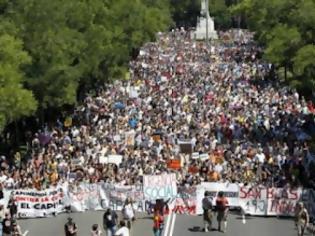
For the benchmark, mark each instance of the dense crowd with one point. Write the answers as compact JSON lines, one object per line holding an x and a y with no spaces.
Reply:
{"x":221,"y":97}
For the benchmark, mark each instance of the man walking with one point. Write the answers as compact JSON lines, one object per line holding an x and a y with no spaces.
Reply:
{"x":222,"y":211}
{"x":302,"y":219}
{"x":71,"y":228}
{"x":110,"y":222}
{"x":207,"y":211}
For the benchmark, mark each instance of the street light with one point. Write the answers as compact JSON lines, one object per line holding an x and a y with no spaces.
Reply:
{"x":207,"y":22}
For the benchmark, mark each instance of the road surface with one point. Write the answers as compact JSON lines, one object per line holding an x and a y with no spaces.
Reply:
{"x":183,"y":225}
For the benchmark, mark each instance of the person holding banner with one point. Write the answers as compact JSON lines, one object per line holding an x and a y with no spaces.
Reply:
{"x":128,"y":212}
{"x":302,"y":219}
{"x":110,"y":222}
{"x":222,"y":211}
{"x":207,"y":211}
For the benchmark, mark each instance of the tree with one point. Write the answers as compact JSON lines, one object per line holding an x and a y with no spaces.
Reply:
{"x":286,"y":29}
{"x":15,"y":101}
{"x":220,"y":11}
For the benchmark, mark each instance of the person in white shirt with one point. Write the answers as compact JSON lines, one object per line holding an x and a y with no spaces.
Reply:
{"x":123,"y":230}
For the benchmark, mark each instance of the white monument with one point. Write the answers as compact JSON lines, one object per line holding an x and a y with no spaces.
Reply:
{"x":204,"y":22}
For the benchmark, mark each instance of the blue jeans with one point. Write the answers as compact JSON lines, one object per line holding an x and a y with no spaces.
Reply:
{"x":157,"y":232}
{"x":111,"y":231}
{"x":1,"y":226}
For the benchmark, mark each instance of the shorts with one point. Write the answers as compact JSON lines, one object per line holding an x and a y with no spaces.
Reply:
{"x":222,"y":216}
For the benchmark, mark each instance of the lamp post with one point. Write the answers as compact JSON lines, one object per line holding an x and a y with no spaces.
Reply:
{"x":207,"y":22}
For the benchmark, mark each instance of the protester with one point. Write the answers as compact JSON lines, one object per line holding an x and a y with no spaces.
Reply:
{"x":12,"y":206}
{"x":224,"y":99}
{"x":71,"y":228}
{"x":7,"y":225}
{"x":222,"y":207}
{"x":2,"y":216}
{"x":128,"y":212}
{"x":158,"y":223}
{"x":95,"y":230}
{"x":302,"y":219}
{"x":123,"y":230}
{"x":110,"y":222}
{"x":207,"y":211}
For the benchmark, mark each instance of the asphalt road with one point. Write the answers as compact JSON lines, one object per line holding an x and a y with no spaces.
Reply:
{"x":183,"y":226}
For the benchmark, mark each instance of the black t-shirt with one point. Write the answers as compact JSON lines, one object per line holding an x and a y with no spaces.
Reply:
{"x":7,"y":226}
{"x":110,"y":219}
{"x":69,"y":227}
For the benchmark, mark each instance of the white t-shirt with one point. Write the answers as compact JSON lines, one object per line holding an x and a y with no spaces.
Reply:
{"x":123,"y":231}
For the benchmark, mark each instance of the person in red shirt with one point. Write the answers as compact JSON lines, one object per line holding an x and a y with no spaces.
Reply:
{"x":222,"y":207}
{"x":158,"y":222}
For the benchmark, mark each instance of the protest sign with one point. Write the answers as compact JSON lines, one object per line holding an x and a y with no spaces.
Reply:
{"x":112,"y":159}
{"x":33,"y":203}
{"x":159,"y":186}
{"x":130,"y":138}
{"x":174,"y":164}
{"x":185,"y":146}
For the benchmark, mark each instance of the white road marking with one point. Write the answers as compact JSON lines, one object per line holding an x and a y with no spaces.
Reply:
{"x":172,"y":225}
{"x":25,"y":233}
{"x":243,"y":219}
{"x":167,"y":224}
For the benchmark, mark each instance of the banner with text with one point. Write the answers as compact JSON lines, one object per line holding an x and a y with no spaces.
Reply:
{"x":159,"y":186}
{"x":33,"y":203}
{"x":114,"y":196}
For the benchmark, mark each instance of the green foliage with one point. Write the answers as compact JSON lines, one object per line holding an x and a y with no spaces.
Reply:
{"x":287,"y":29}
{"x":220,"y":11}
{"x":15,"y":101}
{"x":53,"y":49}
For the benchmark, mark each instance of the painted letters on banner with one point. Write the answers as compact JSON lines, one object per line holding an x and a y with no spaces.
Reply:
{"x":84,"y":197}
{"x":253,"y":201}
{"x":269,"y":201}
{"x":282,"y":201}
{"x":186,"y":201}
{"x":114,"y":196}
{"x":33,"y":203}
{"x":159,"y":186}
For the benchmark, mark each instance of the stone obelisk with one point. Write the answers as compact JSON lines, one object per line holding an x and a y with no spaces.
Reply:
{"x":205,"y":24}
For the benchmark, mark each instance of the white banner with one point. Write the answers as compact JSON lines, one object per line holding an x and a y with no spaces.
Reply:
{"x":34,"y":203}
{"x":230,"y":191}
{"x":114,"y":197}
{"x":269,"y":201}
{"x":159,"y":186}
{"x":282,"y":201}
{"x":84,"y":197}
{"x":255,"y":200}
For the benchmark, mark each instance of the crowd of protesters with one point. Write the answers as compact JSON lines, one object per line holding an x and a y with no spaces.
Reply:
{"x":221,"y":96}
